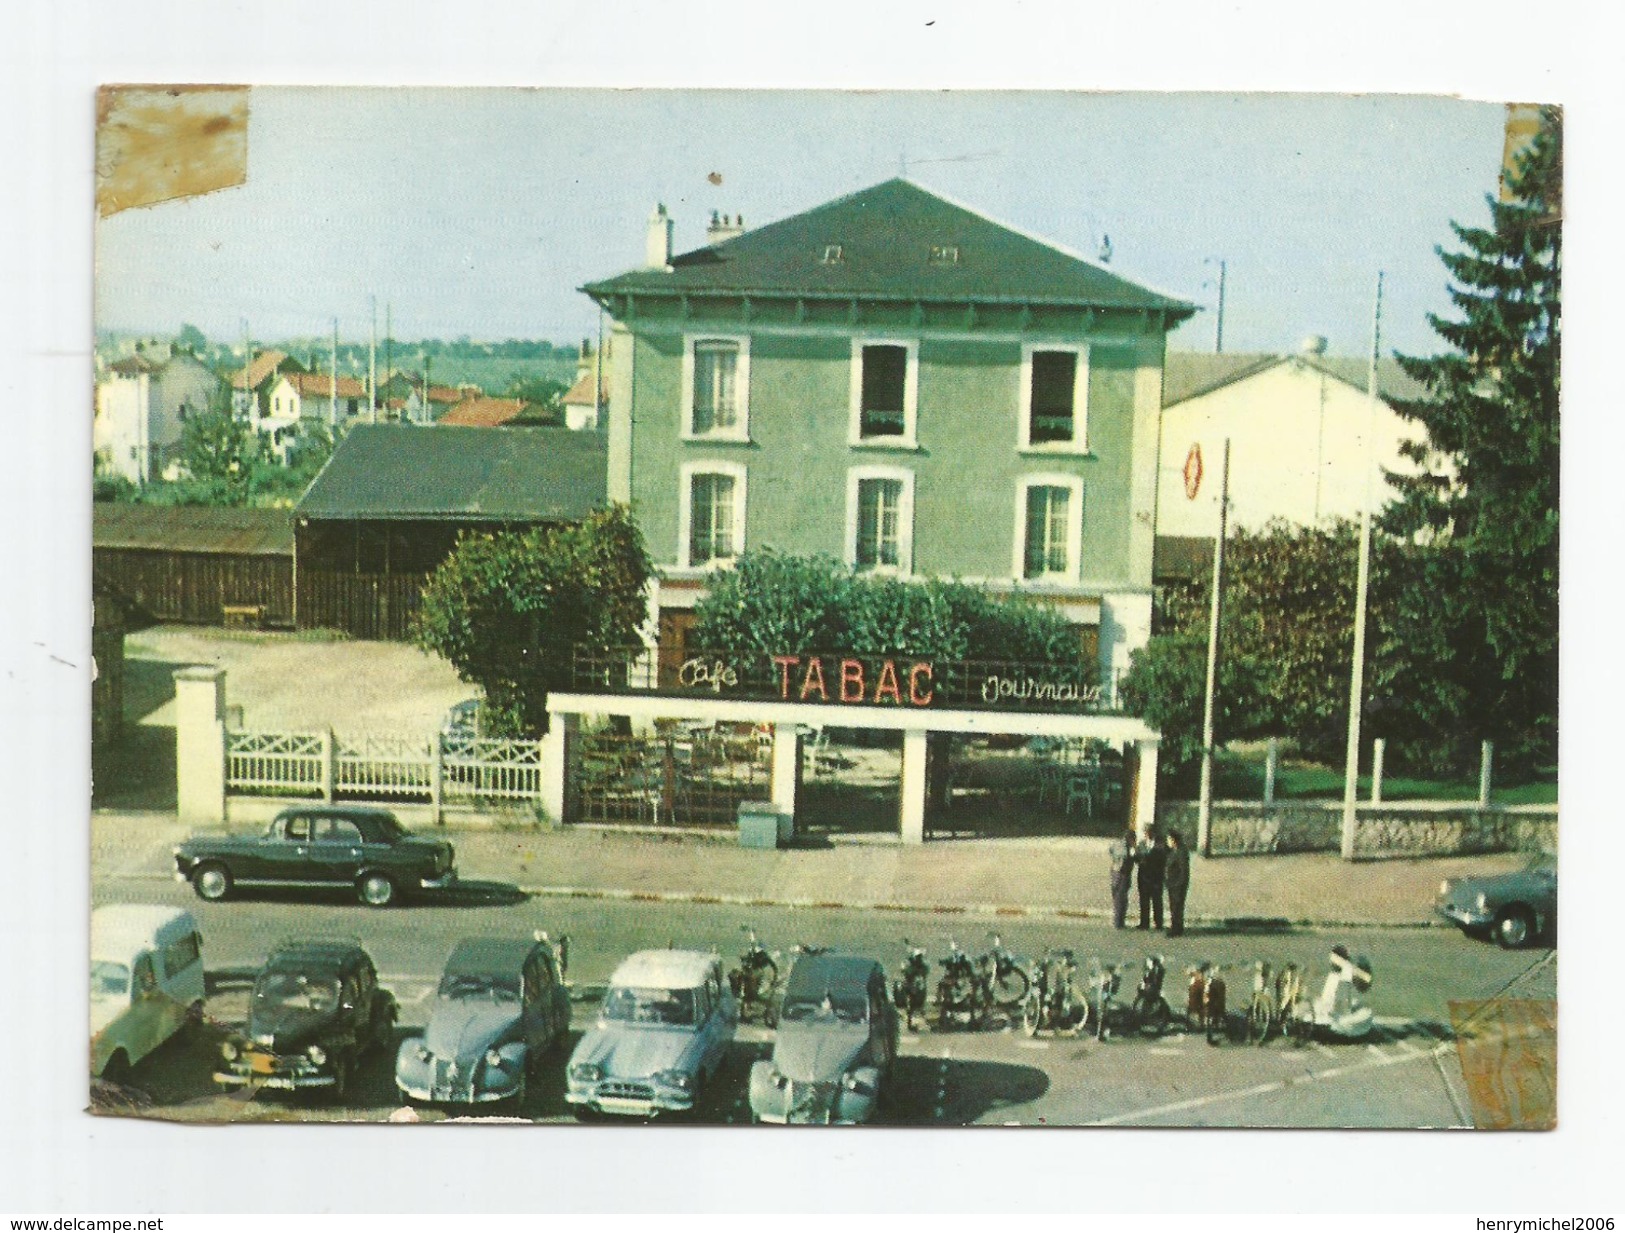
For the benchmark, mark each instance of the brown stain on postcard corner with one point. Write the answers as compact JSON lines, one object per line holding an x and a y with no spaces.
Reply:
{"x":1508,"y":1053}
{"x":164,"y":143}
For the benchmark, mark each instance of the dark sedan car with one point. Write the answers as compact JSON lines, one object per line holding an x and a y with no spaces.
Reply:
{"x":316,"y":1009}
{"x":501,"y":1005}
{"x":1513,"y":908}
{"x":320,"y":846}
{"x":836,"y":1042}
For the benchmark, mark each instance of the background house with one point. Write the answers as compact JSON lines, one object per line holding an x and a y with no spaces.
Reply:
{"x":391,"y":502}
{"x":1299,"y":428}
{"x":904,"y":384}
{"x":142,"y":404}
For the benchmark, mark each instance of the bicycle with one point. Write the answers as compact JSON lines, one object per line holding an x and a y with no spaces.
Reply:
{"x":1104,"y":979}
{"x":1296,"y":1015}
{"x":1205,"y":1002}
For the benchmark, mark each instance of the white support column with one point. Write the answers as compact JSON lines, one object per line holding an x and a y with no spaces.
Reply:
{"x":912,"y":829}
{"x":1145,"y":787}
{"x":1272,"y":762}
{"x":786,"y":763}
{"x":200,"y":745}
{"x":557,"y":746}
{"x":1379,"y":750}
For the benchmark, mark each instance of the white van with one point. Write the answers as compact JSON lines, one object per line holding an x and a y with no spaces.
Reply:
{"x":146,"y":980}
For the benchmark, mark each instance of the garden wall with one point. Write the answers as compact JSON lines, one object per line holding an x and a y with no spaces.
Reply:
{"x":1391,"y":829}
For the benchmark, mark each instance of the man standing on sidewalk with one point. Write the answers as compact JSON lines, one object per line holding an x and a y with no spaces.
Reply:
{"x":1151,"y":856}
{"x":1177,"y":878}
{"x":1122,"y":864}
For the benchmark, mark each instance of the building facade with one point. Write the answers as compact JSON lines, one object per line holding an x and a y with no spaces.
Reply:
{"x":142,"y":404}
{"x":901,"y":383}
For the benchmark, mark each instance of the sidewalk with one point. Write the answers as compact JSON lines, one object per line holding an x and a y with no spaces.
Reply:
{"x":1038,"y":877}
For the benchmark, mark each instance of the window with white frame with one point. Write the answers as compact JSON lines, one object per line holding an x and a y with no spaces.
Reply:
{"x":716,"y":387}
{"x":880,"y":519}
{"x":1055,"y":398}
{"x":712,"y":513}
{"x":885,"y":391}
{"x":1049,"y":527}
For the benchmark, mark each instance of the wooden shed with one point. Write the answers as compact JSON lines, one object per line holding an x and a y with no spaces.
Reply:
{"x":197,"y":564}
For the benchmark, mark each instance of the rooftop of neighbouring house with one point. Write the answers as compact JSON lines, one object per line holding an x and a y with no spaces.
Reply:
{"x":894,"y":241}
{"x":1191,"y":374}
{"x":400,"y":471}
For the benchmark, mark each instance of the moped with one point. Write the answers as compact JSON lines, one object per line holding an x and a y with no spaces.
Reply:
{"x":912,"y":985}
{"x":755,"y":981}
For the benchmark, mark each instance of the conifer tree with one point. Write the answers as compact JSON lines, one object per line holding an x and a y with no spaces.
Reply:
{"x":1485,"y":610}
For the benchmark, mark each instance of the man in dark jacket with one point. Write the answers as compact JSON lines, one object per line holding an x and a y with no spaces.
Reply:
{"x":1150,"y":857}
{"x":1122,"y":865}
{"x":1177,"y":878}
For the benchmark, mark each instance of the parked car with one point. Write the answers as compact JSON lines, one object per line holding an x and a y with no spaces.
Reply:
{"x":316,"y":1010}
{"x":662,"y":1032}
{"x":836,"y":1042}
{"x":1513,"y":908}
{"x":501,"y":1005}
{"x":146,"y":982}
{"x":322,"y":846}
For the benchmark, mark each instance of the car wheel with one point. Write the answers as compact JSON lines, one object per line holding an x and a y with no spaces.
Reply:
{"x":375,"y":890}
{"x":211,"y":881}
{"x":117,"y":1070}
{"x":1514,"y":927}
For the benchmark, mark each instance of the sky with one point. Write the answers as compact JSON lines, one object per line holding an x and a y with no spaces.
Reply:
{"x":480,"y":211}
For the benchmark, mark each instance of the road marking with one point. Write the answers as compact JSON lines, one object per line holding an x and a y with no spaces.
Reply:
{"x":1032,"y":1044}
{"x":1260,"y":1089}
{"x":1163,"y":1051}
{"x":1377,"y":1049}
{"x":1322,"y":1049}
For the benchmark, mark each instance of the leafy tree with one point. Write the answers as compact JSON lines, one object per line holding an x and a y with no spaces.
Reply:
{"x":190,"y":338}
{"x":1492,"y":412}
{"x":773,"y":603}
{"x":1166,"y":685}
{"x":219,"y":455}
{"x":510,"y":611}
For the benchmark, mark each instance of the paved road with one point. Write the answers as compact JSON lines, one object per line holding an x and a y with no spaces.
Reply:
{"x":1408,"y":1075}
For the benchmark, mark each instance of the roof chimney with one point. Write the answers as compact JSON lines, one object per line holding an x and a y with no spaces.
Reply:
{"x":724,"y":228}
{"x":657,"y":246}
{"x":1314,"y":344}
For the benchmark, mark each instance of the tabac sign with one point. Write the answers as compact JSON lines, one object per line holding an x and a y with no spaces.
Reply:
{"x":853,"y":679}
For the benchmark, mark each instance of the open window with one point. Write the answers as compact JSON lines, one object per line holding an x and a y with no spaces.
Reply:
{"x":712,"y":513}
{"x":885,"y":387}
{"x":880,"y":519}
{"x":1055,"y":398}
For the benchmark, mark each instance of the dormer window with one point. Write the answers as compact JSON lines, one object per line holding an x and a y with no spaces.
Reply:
{"x":833,"y":255}
{"x":945,"y":254}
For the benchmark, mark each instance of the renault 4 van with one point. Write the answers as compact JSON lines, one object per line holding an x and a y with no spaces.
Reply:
{"x":146,"y":982}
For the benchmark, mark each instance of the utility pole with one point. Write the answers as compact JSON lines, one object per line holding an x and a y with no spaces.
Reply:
{"x":598,"y":380}
{"x":248,"y":363}
{"x":1218,"y":330}
{"x":333,"y":384}
{"x":1204,"y":806}
{"x":389,"y":344}
{"x":1351,"y":769}
{"x":372,"y":366}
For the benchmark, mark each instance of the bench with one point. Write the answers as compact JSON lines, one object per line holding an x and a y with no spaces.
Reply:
{"x":243,"y":616}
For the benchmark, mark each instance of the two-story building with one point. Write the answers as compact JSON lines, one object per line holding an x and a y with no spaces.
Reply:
{"x":902,"y":383}
{"x":142,"y":404}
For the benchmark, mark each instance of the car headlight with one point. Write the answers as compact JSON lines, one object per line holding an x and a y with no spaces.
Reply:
{"x":493,"y":1058}
{"x":229,"y":1050}
{"x":317,"y":1054}
{"x":586,"y":1072}
{"x":675,"y":1078}
{"x":1482,"y":903}
{"x":1444,"y":888}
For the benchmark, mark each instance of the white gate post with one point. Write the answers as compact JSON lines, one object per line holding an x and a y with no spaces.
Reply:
{"x":1145,"y":793}
{"x":437,"y":771}
{"x":786,"y":762}
{"x":200,"y":745}
{"x":1379,"y":749}
{"x":911,"y":825}
{"x":1486,"y":764}
{"x":329,"y":769}
{"x":562,"y":731}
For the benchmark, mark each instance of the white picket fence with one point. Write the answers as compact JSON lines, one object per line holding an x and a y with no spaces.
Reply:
{"x":383,"y":767}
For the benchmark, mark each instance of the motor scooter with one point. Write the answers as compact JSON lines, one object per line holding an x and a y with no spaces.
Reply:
{"x":1152,"y":1014}
{"x":910,"y":989}
{"x":1340,"y":1012}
